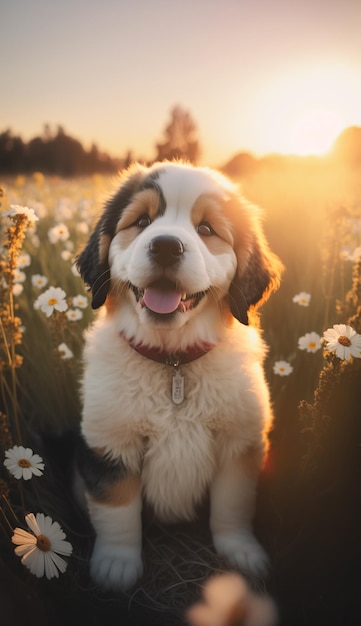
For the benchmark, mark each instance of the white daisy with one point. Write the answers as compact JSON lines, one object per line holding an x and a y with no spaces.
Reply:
{"x":310,"y":342}
{"x":23,"y":463}
{"x":282,"y":368}
{"x":80,"y":301}
{"x":65,"y":352}
{"x":16,"y":209}
{"x":52,"y":299}
{"x":74,"y":315}
{"x":23,"y":260}
{"x":344,"y":341}
{"x":302,"y":298}
{"x":60,"y":232}
{"x":40,"y":548}
{"x":39,"y":281}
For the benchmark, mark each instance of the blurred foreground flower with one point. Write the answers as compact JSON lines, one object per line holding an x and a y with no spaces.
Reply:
{"x":282,"y":368}
{"x":23,"y":463}
{"x":52,"y":299}
{"x":344,"y":341}
{"x":228,"y":601}
{"x":41,"y":547}
{"x":310,"y":342}
{"x":302,"y":298}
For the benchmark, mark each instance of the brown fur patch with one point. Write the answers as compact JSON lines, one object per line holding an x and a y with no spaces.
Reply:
{"x":144,"y":202}
{"x":121,"y":493}
{"x":208,"y":208}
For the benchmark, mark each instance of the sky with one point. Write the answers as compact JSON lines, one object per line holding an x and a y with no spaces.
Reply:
{"x":260,"y":76}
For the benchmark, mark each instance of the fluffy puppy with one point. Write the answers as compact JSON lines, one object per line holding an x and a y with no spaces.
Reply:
{"x":175,"y":400}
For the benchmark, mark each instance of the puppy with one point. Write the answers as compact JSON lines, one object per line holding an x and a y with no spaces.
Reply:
{"x":175,"y":400}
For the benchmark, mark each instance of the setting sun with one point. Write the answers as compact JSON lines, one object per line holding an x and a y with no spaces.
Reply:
{"x":315,"y":131}
{"x":303,"y":111}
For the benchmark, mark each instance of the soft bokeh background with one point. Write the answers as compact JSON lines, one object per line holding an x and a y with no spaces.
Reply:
{"x":260,"y":76}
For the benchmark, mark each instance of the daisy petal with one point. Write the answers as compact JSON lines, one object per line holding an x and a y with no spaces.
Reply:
{"x":21,"y":536}
{"x":32,"y":523}
{"x":35,"y":562}
{"x":58,"y":561}
{"x":25,"y":549}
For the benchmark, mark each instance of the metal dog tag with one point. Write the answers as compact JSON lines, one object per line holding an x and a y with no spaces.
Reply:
{"x":177,"y":386}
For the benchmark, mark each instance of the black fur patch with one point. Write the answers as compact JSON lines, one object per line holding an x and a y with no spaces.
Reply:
{"x":98,"y":472}
{"x":247,"y":290}
{"x":149,"y":183}
{"x":94,"y":272}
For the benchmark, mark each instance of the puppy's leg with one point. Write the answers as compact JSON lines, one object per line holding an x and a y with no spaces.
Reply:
{"x":116,"y":561}
{"x":114,"y":503}
{"x":233,"y":495}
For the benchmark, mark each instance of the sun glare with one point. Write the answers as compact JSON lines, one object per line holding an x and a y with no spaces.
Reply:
{"x":315,"y":131}
{"x":303,"y":112}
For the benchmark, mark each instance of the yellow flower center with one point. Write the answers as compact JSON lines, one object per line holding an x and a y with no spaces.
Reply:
{"x":344,"y":341}
{"x":312,"y":345}
{"x":52,"y":301}
{"x":43,"y":543}
{"x":24,"y":463}
{"x":282,"y":369}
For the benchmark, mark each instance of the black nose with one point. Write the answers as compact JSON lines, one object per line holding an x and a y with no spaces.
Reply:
{"x":166,"y":250}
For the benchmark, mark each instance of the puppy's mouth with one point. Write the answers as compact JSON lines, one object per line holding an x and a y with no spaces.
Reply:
{"x":163,"y":297}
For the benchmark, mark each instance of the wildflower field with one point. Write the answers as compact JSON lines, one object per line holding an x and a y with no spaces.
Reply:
{"x":309,"y":512}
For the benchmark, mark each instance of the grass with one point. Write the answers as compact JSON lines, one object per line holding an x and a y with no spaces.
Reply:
{"x":312,"y":213}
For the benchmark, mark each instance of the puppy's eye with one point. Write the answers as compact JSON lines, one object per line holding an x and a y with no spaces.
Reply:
{"x":205,"y":229}
{"x":143,"y":221}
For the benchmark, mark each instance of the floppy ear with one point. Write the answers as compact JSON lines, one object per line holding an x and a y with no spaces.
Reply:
{"x":92,"y":262}
{"x":255,"y":278}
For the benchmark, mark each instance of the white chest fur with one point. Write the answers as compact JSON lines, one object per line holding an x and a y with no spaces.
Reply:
{"x":129,"y":411}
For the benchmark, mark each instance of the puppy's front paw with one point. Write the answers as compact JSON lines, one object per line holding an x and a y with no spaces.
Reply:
{"x":242,"y":550}
{"x":115,"y":567}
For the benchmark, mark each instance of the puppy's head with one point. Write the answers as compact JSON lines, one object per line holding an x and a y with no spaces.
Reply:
{"x":174,"y":238}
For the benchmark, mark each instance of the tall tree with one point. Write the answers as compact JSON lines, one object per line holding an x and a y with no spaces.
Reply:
{"x":180,"y":138}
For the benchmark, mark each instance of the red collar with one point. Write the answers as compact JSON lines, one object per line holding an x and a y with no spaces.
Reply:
{"x":176,"y":358}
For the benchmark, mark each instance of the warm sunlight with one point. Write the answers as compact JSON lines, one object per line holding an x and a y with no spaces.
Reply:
{"x":303,"y":111}
{"x":315,"y":131}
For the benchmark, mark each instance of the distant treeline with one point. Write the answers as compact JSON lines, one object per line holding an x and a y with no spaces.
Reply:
{"x":52,"y":153}
{"x":59,"y":154}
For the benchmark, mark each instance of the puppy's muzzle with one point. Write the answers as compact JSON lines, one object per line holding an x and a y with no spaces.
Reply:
{"x":166,"y":250}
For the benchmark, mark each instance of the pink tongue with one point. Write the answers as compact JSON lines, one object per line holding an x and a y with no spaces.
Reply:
{"x":160,"y":301}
